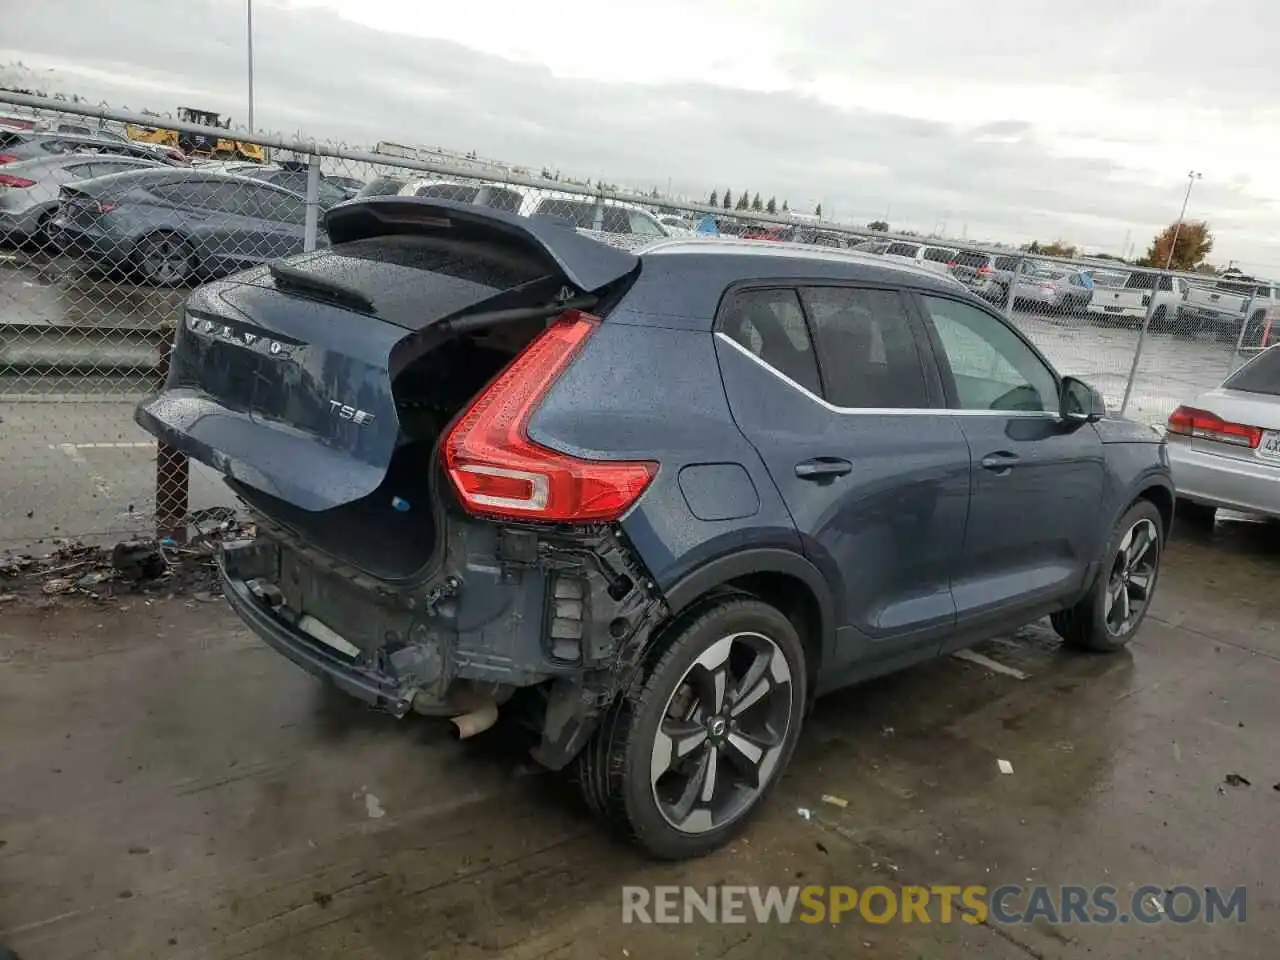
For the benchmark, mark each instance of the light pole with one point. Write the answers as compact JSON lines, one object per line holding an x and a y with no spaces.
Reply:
{"x":1192,"y":177}
{"x":249,"y":7}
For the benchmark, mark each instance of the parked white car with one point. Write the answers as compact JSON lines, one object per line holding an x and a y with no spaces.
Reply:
{"x":1128,"y":304}
{"x":937,"y":259}
{"x":585,"y":212}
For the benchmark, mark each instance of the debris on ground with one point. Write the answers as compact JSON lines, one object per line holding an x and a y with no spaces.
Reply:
{"x":995,"y":666}
{"x":1235,"y":780}
{"x":805,"y":813}
{"x":835,"y":801}
{"x":148,"y":566}
{"x":1005,"y":766}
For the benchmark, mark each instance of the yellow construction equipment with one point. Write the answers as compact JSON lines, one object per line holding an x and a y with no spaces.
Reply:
{"x":199,"y":145}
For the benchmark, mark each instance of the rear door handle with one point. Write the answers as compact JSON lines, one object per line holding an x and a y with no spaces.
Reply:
{"x":823,"y":468}
{"x":1000,"y":462}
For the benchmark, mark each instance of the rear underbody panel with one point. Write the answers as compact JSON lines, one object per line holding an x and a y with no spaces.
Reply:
{"x":507,"y":607}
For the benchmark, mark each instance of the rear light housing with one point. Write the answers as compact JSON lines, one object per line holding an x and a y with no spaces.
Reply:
{"x":9,"y":180}
{"x":983,"y":271}
{"x":498,"y":472}
{"x":1193,"y":422}
{"x":7,"y":158}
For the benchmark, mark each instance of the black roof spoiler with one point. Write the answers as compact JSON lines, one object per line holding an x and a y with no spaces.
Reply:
{"x":585,"y":263}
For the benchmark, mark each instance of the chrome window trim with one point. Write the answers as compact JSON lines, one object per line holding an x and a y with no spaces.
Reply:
{"x":882,"y":411}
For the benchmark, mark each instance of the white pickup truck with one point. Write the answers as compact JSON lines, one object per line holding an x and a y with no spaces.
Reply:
{"x":1128,"y":303}
{"x":1227,"y":305}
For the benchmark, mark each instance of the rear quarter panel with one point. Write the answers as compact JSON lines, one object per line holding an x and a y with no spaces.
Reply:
{"x":655,"y":393}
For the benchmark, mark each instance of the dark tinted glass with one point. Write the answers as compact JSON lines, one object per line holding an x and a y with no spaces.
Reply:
{"x":867,"y":349}
{"x":1261,"y":375}
{"x":770,"y":324}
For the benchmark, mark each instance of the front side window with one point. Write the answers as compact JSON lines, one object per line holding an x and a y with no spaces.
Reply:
{"x":770,"y":325}
{"x":867,"y":348}
{"x":992,"y":367}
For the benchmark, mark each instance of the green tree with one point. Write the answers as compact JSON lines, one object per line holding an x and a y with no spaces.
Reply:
{"x":1193,"y":243}
{"x":1056,"y":248}
{"x":878,"y":226}
{"x":728,"y":200}
{"x":817,"y":211}
{"x":756,"y":204}
{"x":715,"y":199}
{"x":785,"y":208}
{"x":743,"y":203}
{"x":771,"y":206}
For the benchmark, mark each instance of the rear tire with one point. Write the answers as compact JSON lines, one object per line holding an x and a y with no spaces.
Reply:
{"x":164,"y":260}
{"x":1159,"y":321}
{"x":1253,"y":331}
{"x":1193,"y":514}
{"x":676,"y":771}
{"x":1110,"y":613}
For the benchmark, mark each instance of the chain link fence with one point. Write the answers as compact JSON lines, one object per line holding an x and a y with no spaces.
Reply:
{"x":108,"y":219}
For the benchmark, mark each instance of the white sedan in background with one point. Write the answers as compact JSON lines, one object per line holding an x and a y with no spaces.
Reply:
{"x":1224,"y":446}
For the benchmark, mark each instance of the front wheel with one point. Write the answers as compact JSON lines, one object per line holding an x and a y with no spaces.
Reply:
{"x":684,"y":758}
{"x":1110,"y":613}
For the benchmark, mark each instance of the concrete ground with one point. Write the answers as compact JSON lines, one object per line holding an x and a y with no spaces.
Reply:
{"x":169,"y":787}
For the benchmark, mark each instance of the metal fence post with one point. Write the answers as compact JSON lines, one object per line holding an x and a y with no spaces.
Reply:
{"x":1142,"y":337}
{"x":1012,"y":295}
{"x":173,"y":469}
{"x":1244,"y":328}
{"x":313,"y":202}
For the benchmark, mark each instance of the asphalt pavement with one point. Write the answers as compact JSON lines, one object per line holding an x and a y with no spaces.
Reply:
{"x":170,"y":787}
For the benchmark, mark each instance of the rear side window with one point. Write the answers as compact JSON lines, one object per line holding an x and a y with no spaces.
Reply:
{"x":1001,"y":263}
{"x":581,"y":214}
{"x":975,"y":260}
{"x":938,"y":255}
{"x":770,"y":325}
{"x":615,"y":220}
{"x":1141,"y":281}
{"x":1260,"y":375}
{"x":506,"y":200}
{"x":867,"y":348}
{"x":902,"y":250}
{"x":279,"y":206}
{"x":448,"y":191}
{"x":11,"y":139}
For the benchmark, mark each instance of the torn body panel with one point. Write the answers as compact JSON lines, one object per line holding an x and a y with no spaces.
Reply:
{"x":505,"y":607}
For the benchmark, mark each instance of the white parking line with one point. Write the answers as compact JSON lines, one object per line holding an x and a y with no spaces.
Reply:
{"x":70,"y":448}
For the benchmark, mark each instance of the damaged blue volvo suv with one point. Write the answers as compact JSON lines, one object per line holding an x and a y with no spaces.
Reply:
{"x":650,"y":502}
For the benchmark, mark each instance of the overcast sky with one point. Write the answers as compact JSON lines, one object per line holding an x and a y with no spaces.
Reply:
{"x":998,"y":120}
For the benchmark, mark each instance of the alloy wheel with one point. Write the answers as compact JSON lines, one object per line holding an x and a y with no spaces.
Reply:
{"x":722,"y":733}
{"x":165,"y":261}
{"x":1132,"y":577}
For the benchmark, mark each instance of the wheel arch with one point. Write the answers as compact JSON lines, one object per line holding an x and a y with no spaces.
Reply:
{"x":781,"y":578}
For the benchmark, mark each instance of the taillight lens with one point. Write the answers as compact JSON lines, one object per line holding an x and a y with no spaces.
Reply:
{"x":9,"y":180}
{"x":7,"y":158}
{"x":498,"y":471}
{"x":1192,"y":422}
{"x":103,"y":206}
{"x":982,"y":271}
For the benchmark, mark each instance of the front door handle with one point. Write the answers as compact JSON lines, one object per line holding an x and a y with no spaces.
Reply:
{"x":823,"y":468}
{"x":1000,"y":462}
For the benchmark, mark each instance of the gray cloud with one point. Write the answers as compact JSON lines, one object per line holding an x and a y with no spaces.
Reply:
{"x":334,"y":80}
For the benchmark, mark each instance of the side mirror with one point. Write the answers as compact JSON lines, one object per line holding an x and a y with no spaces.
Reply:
{"x":1080,"y":403}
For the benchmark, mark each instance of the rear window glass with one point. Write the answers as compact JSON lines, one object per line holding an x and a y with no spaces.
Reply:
{"x":1260,"y":375}
{"x":1239,"y":289}
{"x":975,"y":260}
{"x":448,"y":191}
{"x":10,"y":139}
{"x":1141,"y":281}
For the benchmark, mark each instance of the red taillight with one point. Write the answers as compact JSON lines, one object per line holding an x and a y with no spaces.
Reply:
{"x":1191,"y":422}
{"x":9,"y":180}
{"x":104,"y":207}
{"x":952,"y":264}
{"x":983,"y":270}
{"x":499,"y":472}
{"x":7,"y":158}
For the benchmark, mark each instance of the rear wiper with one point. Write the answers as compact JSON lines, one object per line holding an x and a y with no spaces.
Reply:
{"x":337,"y":293}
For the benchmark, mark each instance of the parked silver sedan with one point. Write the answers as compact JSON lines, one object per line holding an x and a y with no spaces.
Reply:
{"x":1224,"y":446}
{"x":29,"y":188}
